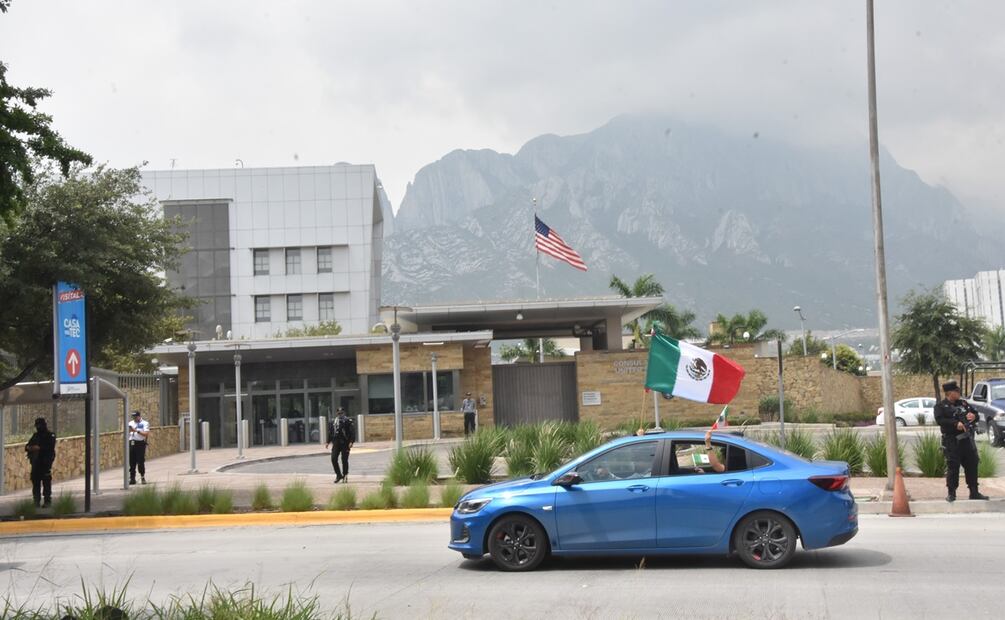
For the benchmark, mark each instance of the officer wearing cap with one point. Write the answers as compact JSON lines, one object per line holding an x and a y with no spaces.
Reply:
{"x":341,"y":435}
{"x":957,"y":440}
{"x":468,"y":409}
{"x":139,"y":430}
{"x":41,"y":452}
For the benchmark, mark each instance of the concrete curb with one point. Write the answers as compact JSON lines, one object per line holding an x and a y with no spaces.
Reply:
{"x":932,"y":507}
{"x":251,"y":519}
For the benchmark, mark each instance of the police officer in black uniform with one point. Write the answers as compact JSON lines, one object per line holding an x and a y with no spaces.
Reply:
{"x":41,"y":452}
{"x":342,"y":435}
{"x":956,"y":419}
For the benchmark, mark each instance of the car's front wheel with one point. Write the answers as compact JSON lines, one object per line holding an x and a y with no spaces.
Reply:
{"x":517,"y":543}
{"x":993,"y":434}
{"x":765,"y":540}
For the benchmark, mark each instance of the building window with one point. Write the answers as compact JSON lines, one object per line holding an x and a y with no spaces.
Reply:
{"x":263,"y":309}
{"x":261,"y":262}
{"x":292,"y":261}
{"x":326,"y":307}
{"x":324,"y":260}
{"x":294,"y":307}
{"x":416,"y":392}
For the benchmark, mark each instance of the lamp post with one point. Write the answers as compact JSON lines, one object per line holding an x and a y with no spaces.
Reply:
{"x":802,"y":326}
{"x":192,"y":422}
{"x":834,"y":345}
{"x":237,"y":398}
{"x":396,"y":355}
{"x":436,"y":401}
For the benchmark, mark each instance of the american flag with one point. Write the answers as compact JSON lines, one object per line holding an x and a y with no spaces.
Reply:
{"x":547,"y":240}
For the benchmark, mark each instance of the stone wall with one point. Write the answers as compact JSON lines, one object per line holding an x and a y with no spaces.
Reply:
{"x":70,"y":456}
{"x":414,"y":358}
{"x":416,"y":426}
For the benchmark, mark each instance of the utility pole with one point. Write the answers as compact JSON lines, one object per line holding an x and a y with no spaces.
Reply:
{"x":877,"y":221}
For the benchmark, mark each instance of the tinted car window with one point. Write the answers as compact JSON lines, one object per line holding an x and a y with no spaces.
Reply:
{"x":755,"y":460}
{"x":690,"y":457}
{"x":636,"y":460}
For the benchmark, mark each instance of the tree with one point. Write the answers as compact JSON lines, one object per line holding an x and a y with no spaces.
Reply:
{"x":933,"y":337}
{"x":729,"y":330}
{"x":528,"y":350}
{"x":814,"y":346}
{"x":26,"y":140}
{"x":993,"y":344}
{"x":848,"y":360}
{"x":665,"y":318}
{"x":90,"y":229}
{"x":324,"y":328}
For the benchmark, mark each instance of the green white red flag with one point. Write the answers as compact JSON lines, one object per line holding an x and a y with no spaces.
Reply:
{"x":687,"y":371}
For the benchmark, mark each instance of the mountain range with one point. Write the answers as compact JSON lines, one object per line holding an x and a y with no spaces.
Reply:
{"x":726,"y":223}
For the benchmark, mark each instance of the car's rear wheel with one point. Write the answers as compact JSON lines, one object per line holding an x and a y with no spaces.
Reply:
{"x":517,"y":543}
{"x":901,"y":422}
{"x":765,"y":540}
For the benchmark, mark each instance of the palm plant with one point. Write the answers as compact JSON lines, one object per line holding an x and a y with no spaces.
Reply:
{"x":729,"y":330}
{"x":667,"y":319}
{"x":993,"y":344}
{"x":529,"y":350}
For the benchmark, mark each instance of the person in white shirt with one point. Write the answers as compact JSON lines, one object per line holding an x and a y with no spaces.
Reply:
{"x":139,"y":430}
{"x":468,"y":408}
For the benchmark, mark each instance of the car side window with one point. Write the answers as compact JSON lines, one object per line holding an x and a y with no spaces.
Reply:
{"x":635,"y":460}
{"x":929,"y":403}
{"x":690,"y":457}
{"x":981,"y":391}
{"x":910,"y":404}
{"x":755,"y":460}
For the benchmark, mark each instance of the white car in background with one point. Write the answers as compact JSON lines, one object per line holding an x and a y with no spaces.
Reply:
{"x":911,"y":412}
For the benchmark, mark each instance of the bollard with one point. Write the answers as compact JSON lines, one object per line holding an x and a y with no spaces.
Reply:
{"x":323,"y":429}
{"x":284,"y":432}
{"x":246,"y":432}
{"x":360,"y":428}
{"x":205,"y":435}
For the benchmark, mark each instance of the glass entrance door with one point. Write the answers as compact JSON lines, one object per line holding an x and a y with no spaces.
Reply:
{"x":264,"y":423}
{"x":318,"y":404}
{"x":296,"y":420}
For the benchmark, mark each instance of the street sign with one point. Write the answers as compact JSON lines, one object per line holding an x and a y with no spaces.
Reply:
{"x":70,"y":331}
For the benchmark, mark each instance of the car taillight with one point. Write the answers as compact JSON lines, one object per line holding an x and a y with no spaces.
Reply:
{"x":830,"y":483}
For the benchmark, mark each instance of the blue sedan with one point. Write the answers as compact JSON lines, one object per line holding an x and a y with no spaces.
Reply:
{"x":662,"y":493}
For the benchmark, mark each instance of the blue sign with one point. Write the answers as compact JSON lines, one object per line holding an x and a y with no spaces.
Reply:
{"x":70,"y":331}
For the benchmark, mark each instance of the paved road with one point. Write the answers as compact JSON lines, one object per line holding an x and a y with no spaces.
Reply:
{"x":895,"y":568}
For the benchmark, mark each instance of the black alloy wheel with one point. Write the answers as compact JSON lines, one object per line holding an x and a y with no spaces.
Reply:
{"x":517,"y":543}
{"x":765,"y":540}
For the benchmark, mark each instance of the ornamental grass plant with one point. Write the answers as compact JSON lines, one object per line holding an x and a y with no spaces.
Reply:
{"x":65,"y":504}
{"x":142,"y":502}
{"x":261,"y":499}
{"x":416,"y":495}
{"x":875,"y":455}
{"x":988,"y":465}
{"x":175,"y":501}
{"x":473,"y":460}
{"x":411,"y":464}
{"x":844,"y":445}
{"x":297,"y":497}
{"x":928,"y":455}
{"x":343,"y":499}
{"x":450,"y":494}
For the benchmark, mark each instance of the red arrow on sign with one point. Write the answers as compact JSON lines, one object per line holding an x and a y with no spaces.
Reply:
{"x":73,"y":362}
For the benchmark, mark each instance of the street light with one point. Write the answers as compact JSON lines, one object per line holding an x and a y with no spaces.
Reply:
{"x":802,"y":325}
{"x":834,"y":346}
{"x":191,"y":403}
{"x":237,"y":398}
{"x":396,"y":354}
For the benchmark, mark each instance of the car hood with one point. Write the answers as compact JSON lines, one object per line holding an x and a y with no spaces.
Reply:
{"x":504,"y":488}
{"x":1000,"y":403}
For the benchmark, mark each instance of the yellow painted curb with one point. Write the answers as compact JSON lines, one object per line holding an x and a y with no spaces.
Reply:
{"x":319,"y":517}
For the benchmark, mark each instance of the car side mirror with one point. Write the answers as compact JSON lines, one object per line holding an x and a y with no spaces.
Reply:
{"x":568,"y":479}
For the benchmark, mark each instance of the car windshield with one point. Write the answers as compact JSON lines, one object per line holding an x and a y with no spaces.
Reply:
{"x":998,"y":392}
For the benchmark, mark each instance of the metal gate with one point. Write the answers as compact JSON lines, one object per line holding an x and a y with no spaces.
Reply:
{"x":530,"y":393}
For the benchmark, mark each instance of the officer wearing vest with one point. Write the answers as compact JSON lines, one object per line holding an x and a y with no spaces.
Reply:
{"x":139,"y":430}
{"x":956,"y":418}
{"x":341,"y":436}
{"x":41,"y":452}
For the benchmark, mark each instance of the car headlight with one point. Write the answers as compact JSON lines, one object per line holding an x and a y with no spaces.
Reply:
{"x":471,"y":506}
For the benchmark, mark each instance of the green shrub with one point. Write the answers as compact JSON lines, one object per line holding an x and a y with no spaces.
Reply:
{"x":519,"y":459}
{"x":389,"y":494}
{"x":343,"y":499}
{"x":587,"y":437}
{"x":844,"y":445}
{"x":64,"y":505}
{"x":855,"y":418}
{"x":473,"y":460}
{"x":174,"y":501}
{"x":143,"y":502}
{"x":204,"y":498}
{"x":413,"y":463}
{"x":416,"y":496}
{"x":551,"y":450}
{"x":808,"y":416}
{"x":875,"y":455}
{"x":375,"y":500}
{"x":988,"y":465}
{"x":928,"y":455}
{"x":25,"y":509}
{"x":767,"y":407}
{"x":261,"y":499}
{"x":497,"y":437}
{"x":797,"y":441}
{"x":297,"y":497}
{"x":223,"y":502}
{"x":450,"y":494}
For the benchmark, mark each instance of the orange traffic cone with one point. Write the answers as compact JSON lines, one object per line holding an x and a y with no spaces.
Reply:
{"x":900,"y":506}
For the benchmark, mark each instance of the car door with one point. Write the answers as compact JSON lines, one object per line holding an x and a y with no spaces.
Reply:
{"x":928,"y":408}
{"x":614,"y":506}
{"x":694,"y":509}
{"x":908,"y":410}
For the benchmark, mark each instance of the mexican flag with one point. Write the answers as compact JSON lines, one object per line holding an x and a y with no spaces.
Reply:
{"x":687,"y":371}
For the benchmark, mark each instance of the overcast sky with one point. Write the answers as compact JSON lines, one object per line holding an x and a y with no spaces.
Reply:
{"x":400,"y":84}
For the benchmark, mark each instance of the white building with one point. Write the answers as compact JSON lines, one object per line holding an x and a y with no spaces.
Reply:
{"x":979,"y":297}
{"x":278,"y":248}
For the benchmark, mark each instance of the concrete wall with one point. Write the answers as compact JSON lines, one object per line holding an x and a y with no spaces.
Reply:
{"x":69,"y":461}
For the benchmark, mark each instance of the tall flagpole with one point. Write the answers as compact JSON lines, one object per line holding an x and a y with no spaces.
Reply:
{"x":537,"y":277}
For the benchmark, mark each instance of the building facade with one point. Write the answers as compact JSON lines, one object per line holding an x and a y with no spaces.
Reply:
{"x":979,"y":297}
{"x":274,"y":249}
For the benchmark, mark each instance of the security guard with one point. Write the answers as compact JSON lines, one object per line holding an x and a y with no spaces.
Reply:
{"x":139,"y":430}
{"x":341,"y":435}
{"x":41,"y":452}
{"x":957,"y":440}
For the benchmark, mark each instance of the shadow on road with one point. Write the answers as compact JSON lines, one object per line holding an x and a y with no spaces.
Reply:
{"x":825,"y":559}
